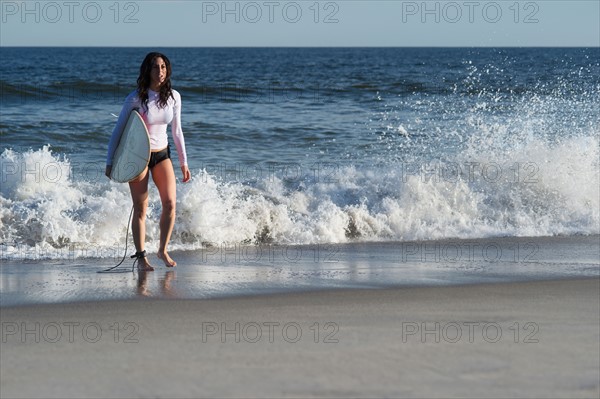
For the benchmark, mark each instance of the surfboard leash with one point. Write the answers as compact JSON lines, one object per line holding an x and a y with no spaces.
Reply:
{"x":136,"y":256}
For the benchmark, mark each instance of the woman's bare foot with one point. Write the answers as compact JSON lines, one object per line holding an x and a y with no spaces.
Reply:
{"x":142,"y":263}
{"x":166,"y":259}
{"x":144,"y":266}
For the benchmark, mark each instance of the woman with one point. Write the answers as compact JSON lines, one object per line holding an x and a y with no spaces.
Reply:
{"x":159,"y":105}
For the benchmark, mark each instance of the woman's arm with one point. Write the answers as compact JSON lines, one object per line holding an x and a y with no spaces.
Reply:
{"x":177,"y":133}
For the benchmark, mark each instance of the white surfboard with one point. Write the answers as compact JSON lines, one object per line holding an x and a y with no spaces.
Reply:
{"x":133,"y":152}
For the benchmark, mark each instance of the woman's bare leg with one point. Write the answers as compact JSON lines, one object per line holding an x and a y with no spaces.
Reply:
{"x":164,"y":178}
{"x":139,"y":196}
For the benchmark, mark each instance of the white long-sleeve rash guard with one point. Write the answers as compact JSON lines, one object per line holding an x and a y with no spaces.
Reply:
{"x":156,"y":120}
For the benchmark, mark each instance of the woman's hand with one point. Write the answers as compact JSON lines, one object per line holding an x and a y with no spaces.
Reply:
{"x":186,"y":173}
{"x":108,"y":170}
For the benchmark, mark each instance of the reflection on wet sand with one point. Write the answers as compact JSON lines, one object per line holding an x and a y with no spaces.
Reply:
{"x":165,"y":284}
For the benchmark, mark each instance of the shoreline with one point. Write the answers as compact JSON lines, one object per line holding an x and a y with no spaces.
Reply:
{"x":297,"y":291}
{"x":248,"y":271}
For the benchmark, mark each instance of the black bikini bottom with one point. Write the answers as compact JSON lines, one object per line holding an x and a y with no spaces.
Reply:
{"x":159,"y":156}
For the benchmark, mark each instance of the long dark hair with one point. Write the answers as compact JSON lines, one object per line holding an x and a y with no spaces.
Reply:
{"x":143,"y":81}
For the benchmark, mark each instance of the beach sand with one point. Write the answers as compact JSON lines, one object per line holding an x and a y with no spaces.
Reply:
{"x":520,"y":339}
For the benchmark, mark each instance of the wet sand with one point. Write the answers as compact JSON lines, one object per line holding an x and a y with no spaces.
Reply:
{"x":247,"y":270}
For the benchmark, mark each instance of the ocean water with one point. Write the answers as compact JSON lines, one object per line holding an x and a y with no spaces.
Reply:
{"x":304,"y":146}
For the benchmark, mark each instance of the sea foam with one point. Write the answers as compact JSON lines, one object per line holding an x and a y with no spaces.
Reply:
{"x":538,"y":188}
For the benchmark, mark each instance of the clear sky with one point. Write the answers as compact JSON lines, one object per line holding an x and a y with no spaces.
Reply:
{"x":160,"y":23}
